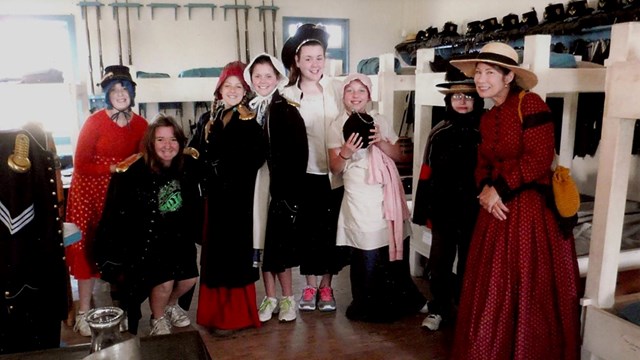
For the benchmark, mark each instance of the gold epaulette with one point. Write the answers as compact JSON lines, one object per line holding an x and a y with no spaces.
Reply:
{"x":193,"y":152}
{"x":291,"y":102}
{"x":245,"y":113}
{"x":126,"y":163}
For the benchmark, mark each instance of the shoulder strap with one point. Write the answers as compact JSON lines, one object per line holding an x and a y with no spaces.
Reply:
{"x":520,"y":97}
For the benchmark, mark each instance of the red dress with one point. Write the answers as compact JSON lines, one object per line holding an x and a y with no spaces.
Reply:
{"x":101,"y":143}
{"x":520,"y":297}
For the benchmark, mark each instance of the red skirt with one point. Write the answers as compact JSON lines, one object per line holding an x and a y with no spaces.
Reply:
{"x":228,"y":308}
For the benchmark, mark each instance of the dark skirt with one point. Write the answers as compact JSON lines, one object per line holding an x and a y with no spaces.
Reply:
{"x":382,"y":290}
{"x":318,"y":218}
{"x":282,"y":236}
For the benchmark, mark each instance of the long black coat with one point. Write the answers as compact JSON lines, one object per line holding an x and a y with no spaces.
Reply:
{"x":231,"y":156}
{"x":138,"y":244}
{"x":448,"y":196}
{"x":33,"y":273}
{"x":288,"y":149}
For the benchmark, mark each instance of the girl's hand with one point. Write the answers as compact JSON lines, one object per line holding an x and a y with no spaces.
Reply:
{"x":353,"y":144}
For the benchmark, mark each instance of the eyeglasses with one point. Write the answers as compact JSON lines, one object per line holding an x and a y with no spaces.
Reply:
{"x":462,"y":96}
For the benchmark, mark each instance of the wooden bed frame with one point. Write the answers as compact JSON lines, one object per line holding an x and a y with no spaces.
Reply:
{"x":605,"y":336}
{"x":553,"y":82}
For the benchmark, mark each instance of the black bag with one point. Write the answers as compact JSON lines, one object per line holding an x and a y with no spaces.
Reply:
{"x":360,"y":123}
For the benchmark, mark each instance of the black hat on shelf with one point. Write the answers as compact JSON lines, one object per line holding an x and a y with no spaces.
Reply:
{"x":530,"y":18}
{"x":510,"y":22}
{"x":473,"y":28}
{"x":304,"y":34}
{"x":116,"y":72}
{"x":554,"y":12}
{"x":489,"y":25}
{"x":449,"y":29}
{"x":578,"y":8}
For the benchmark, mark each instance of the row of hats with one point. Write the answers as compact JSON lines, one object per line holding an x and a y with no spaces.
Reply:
{"x":552,"y":13}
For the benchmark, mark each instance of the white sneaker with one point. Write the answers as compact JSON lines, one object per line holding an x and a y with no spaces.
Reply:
{"x":287,"y":307}
{"x":268,"y":307}
{"x":81,"y":326}
{"x":432,"y":322}
{"x":177,"y":316}
{"x":160,"y":326}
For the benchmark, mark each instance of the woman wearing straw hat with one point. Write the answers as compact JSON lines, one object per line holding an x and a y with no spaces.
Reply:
{"x":445,"y":187}
{"x":520,"y":293}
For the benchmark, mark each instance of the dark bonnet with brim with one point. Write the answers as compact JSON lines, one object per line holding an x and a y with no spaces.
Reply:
{"x":304,"y":34}
{"x":116,"y":72}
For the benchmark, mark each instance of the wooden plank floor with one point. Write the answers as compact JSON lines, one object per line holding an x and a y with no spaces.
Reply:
{"x":317,"y":335}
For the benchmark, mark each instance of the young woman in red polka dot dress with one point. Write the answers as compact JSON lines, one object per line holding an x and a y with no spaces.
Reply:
{"x":520,"y":297}
{"x":107,"y":137}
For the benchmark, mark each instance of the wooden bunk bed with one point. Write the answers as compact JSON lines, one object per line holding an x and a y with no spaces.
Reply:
{"x":553,"y":82}
{"x":606,"y":336}
{"x":152,"y":91}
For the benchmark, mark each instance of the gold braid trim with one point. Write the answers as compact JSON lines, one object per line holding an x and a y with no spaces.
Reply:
{"x":193,"y":152}
{"x":245,"y":113}
{"x":126,"y":163}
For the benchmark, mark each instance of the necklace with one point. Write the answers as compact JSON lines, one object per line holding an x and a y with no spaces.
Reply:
{"x":368,"y":122}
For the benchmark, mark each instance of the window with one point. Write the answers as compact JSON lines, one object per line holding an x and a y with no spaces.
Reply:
{"x":338,"y":30}
{"x":38,"y":68}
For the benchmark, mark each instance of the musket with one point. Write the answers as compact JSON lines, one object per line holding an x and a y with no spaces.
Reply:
{"x":128,"y":34}
{"x":273,"y":29}
{"x":246,"y":32}
{"x":86,"y":26}
{"x":117,"y":13}
{"x":264,"y":28}
{"x":98,"y":16}
{"x":237,"y":29}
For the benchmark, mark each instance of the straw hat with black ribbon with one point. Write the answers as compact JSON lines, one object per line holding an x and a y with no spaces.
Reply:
{"x":456,"y":82}
{"x":500,"y":54}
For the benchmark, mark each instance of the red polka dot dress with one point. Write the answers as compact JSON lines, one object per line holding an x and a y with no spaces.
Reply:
{"x":519,"y":297}
{"x":101,"y":143}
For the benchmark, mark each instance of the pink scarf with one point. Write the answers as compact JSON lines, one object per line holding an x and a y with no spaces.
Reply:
{"x":382,"y":170}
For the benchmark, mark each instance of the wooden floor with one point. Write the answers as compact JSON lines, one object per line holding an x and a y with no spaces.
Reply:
{"x":317,"y":335}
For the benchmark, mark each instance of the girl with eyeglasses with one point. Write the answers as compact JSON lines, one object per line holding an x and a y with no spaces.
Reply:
{"x":446,"y":194}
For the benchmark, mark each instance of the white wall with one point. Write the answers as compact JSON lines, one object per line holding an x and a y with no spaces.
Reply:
{"x":170,"y":46}
{"x":167,"y":45}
